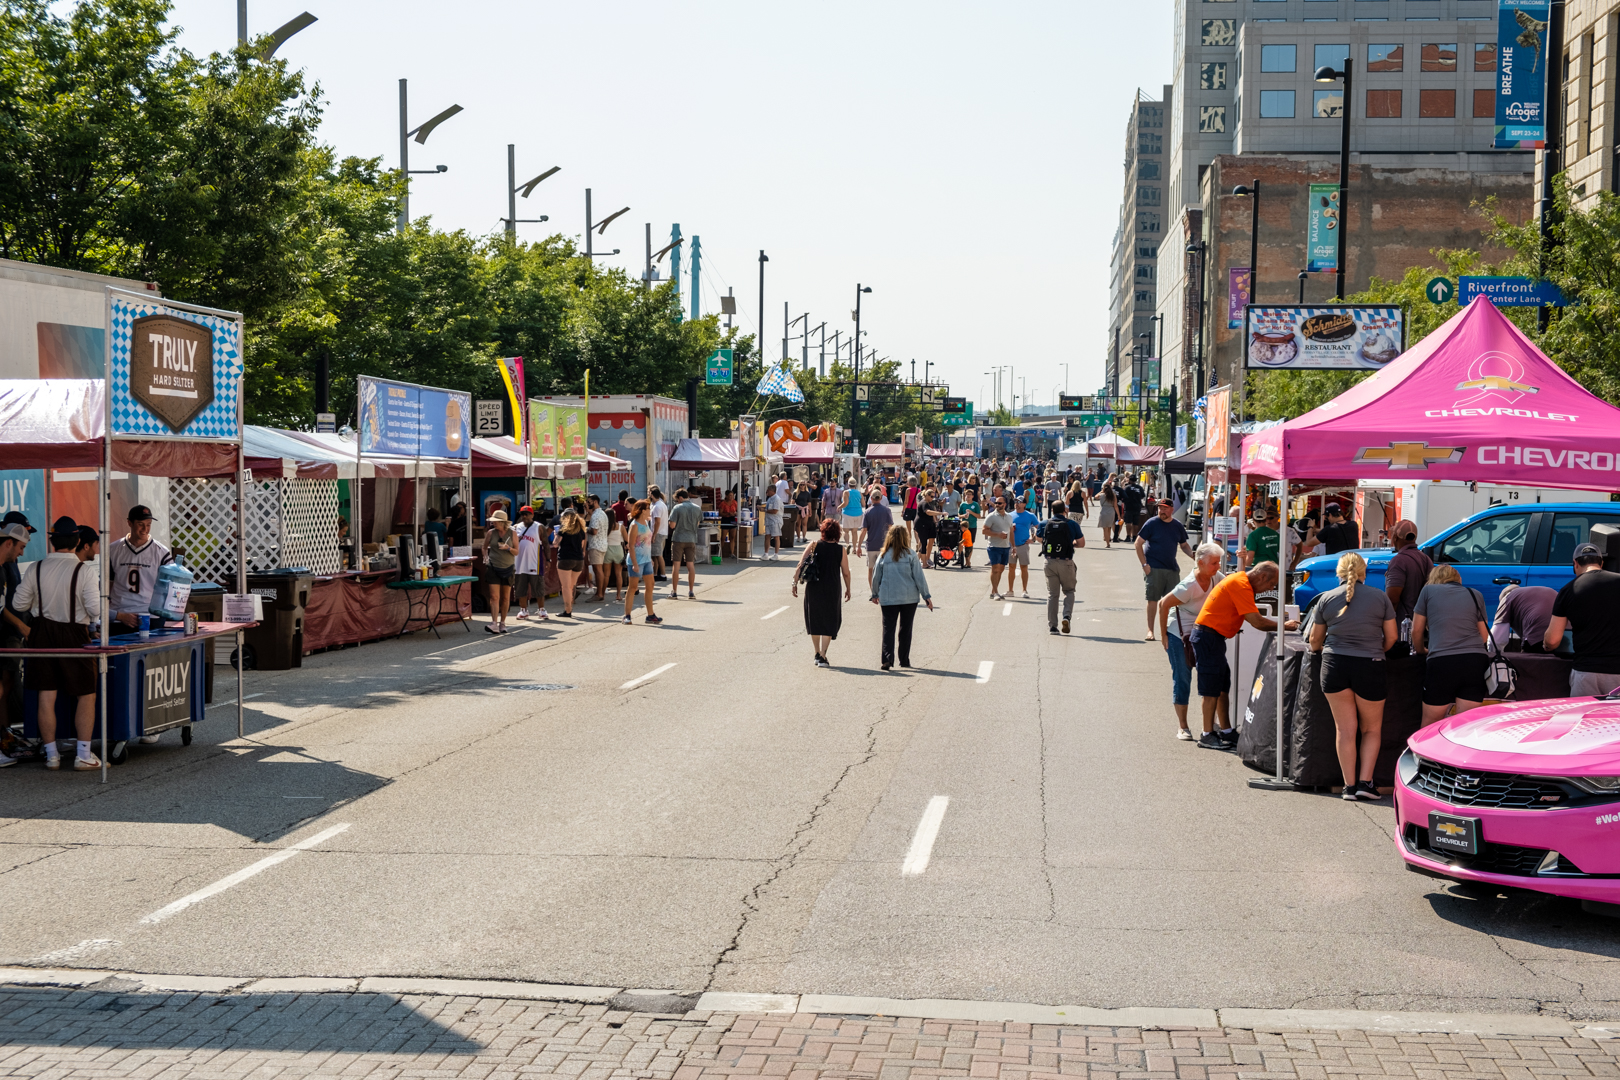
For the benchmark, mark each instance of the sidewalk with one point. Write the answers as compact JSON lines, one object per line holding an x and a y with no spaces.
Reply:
{"x":112,"y":1030}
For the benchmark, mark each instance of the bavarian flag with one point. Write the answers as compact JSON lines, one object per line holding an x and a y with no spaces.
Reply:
{"x":778,"y":380}
{"x":512,"y":375}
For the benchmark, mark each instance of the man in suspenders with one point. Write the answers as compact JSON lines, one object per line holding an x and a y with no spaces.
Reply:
{"x":63,"y":595}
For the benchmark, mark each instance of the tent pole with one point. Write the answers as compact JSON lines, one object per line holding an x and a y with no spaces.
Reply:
{"x":358,"y":491}
{"x":241,"y":578}
{"x":1277,"y":782}
{"x":103,"y":524}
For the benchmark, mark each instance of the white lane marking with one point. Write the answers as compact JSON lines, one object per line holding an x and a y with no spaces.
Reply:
{"x":232,"y":701}
{"x":653,"y":674}
{"x":985,"y":668}
{"x":922,"y":841}
{"x":775,"y":613}
{"x":243,"y":874}
{"x":1006,"y":609}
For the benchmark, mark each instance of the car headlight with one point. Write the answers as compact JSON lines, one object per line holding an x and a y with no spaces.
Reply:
{"x":1597,"y":785}
{"x":1300,"y":576}
{"x":1407,"y":767}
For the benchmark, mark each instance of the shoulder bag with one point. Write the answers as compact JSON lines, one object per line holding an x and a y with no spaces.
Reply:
{"x":1500,"y":678}
{"x":809,"y":572}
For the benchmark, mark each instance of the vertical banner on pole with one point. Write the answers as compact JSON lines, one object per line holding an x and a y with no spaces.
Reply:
{"x":1321,"y":239}
{"x":1522,"y":71}
{"x":1239,"y":295}
{"x":512,"y":375}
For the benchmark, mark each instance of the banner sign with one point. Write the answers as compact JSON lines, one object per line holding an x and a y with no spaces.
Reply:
{"x":542,"y":431}
{"x":1329,"y":336}
{"x":1511,"y":292}
{"x":166,"y":688}
{"x":1217,"y":406}
{"x":175,"y":372}
{"x":1181,"y":438}
{"x":570,"y":432}
{"x":1322,"y":232}
{"x":512,"y":375}
{"x":1522,"y":65}
{"x":717,"y":371}
{"x":406,"y":420}
{"x":1238,"y":296}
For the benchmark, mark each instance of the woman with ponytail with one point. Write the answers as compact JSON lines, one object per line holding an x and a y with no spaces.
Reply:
{"x":1353,"y":626}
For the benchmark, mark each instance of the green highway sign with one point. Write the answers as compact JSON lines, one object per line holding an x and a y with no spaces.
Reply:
{"x":717,"y":372}
{"x":1095,"y":419}
{"x":962,"y":418}
{"x":1439,"y":290}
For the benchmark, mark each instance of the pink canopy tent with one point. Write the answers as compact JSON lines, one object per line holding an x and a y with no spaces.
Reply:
{"x":705,"y":455}
{"x":884,"y":452}
{"x":808,"y":453}
{"x":1139,"y":455}
{"x":1475,"y":400}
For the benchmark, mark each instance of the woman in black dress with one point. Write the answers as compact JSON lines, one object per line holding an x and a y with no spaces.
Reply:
{"x":928,"y":515}
{"x":820,"y":566}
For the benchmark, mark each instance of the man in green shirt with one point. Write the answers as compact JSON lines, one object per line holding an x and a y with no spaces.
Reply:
{"x":969,"y":511}
{"x":1263,"y":540}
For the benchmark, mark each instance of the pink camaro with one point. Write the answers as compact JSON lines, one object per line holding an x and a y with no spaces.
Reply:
{"x":1518,"y":795}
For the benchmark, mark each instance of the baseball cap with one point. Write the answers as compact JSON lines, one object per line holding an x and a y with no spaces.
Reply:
{"x":88,"y":535}
{"x":525,"y":509}
{"x":16,"y":518}
{"x":140,"y":513}
{"x":1258,"y":515}
{"x":1332,"y":508}
{"x":1404,"y":527}
{"x":15,"y":531}
{"x":1588,"y":553}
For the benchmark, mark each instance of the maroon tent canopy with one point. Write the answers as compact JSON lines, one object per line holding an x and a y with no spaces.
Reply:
{"x":807,"y":453}
{"x":61,"y":423}
{"x":705,"y":455}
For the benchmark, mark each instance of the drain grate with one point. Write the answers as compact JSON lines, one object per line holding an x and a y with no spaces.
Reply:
{"x":537,"y":686}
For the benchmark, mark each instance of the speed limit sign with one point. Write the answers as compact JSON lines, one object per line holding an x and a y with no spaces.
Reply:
{"x":489,"y":418}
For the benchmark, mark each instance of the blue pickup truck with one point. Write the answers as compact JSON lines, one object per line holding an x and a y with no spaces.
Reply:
{"x":1510,"y":544}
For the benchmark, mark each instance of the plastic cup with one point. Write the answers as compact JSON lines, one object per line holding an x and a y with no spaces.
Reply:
{"x":1292,"y":611}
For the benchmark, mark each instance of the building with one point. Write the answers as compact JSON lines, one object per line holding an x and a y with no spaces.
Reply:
{"x":1397,"y":212}
{"x":1591,"y":139}
{"x":1133,"y":271}
{"x":1417,"y":67}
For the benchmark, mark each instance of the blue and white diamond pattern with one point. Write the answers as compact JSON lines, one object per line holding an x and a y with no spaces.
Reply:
{"x":219,"y":420}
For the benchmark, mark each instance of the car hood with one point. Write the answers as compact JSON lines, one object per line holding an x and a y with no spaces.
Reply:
{"x":1376,"y":558}
{"x":1564,"y":736}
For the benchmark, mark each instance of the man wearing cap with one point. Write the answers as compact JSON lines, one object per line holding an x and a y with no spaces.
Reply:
{"x":64,"y":598}
{"x":132,"y":568}
{"x":1590,"y":605}
{"x":528,"y":577}
{"x":1408,"y":570}
{"x":1340,"y":533}
{"x":1263,"y":542}
{"x":14,"y":537}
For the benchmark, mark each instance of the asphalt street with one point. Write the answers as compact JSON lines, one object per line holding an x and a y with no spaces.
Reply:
{"x":532,"y":807}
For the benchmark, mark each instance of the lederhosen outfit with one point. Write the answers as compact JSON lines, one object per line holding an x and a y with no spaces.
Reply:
{"x":64,"y":675}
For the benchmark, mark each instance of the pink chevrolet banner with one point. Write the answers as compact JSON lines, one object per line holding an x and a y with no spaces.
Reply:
{"x":1475,"y":400}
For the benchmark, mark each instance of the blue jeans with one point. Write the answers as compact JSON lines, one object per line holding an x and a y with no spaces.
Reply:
{"x":1180,"y":673}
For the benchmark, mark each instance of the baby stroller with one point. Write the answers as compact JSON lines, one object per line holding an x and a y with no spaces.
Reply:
{"x":948,"y":543}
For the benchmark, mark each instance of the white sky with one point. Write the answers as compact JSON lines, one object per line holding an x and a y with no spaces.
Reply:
{"x":965,"y":160}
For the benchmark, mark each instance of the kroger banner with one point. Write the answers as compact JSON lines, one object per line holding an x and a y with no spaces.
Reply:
{"x":1331,"y":336}
{"x":1521,"y":73}
{"x":406,"y":420}
{"x":1322,"y":229}
{"x":175,"y":371}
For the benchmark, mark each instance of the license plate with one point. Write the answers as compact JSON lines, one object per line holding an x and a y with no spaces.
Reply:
{"x":1453,"y":834}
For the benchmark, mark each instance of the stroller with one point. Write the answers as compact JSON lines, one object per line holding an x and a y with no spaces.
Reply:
{"x":948,"y":543}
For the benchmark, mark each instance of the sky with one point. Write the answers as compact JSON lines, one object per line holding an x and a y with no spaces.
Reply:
{"x":963,"y":160}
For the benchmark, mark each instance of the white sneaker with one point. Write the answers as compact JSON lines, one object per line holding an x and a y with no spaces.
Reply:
{"x":1184,"y":735}
{"x":4,"y":761}
{"x":53,"y":762}
{"x":85,"y":764}
{"x":148,"y":740}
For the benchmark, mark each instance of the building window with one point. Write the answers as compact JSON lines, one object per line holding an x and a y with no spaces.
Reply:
{"x":1147,"y":170}
{"x":1277,"y":103}
{"x":1218,"y":32}
{"x":1212,"y":118}
{"x":1145,"y":273}
{"x":1327,"y":104}
{"x":1149,"y":144}
{"x":1437,"y":103}
{"x":1383,"y":104}
{"x":1439,"y":57}
{"x":1147,"y":222}
{"x":1485,"y":56}
{"x":1147,"y":196}
{"x":1485,"y":103}
{"x":1277,"y":57}
{"x":1332,"y":56}
{"x":1385,"y":57}
{"x":1144,"y":298}
{"x":1144,"y":252}
{"x":1212,"y":76}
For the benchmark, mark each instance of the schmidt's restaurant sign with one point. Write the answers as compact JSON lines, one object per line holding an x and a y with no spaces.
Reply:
{"x":175,"y":370}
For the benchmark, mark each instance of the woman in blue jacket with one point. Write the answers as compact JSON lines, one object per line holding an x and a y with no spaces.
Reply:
{"x":898,"y":584}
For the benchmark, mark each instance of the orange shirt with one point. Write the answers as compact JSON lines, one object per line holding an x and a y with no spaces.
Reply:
{"x":1227,"y":603}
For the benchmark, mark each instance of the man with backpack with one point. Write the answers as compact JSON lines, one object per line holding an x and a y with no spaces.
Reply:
{"x":1060,"y":535}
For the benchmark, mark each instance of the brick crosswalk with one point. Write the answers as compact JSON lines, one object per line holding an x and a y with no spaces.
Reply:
{"x":52,"y":1033}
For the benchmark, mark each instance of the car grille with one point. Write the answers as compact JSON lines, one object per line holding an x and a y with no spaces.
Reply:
{"x":1492,"y":858}
{"x":1494,"y":790}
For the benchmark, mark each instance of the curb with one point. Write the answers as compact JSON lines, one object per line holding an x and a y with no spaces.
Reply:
{"x":1503,"y":1025}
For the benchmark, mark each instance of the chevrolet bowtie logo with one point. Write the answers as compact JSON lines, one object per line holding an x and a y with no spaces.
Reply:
{"x":1449,"y":829}
{"x":1411,"y":455}
{"x":1498,"y":383}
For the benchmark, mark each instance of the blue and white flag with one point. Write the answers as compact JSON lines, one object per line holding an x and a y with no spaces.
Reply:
{"x":778,"y":380}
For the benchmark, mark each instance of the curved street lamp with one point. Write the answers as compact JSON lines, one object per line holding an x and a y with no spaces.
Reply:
{"x":1327,"y":75}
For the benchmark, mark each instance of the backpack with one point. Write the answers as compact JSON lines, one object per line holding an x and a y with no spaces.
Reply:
{"x":1057,"y":543}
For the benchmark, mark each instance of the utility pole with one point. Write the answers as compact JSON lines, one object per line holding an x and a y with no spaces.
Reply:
{"x":1551,"y":150}
{"x":855,"y":387}
{"x":404,"y":141}
{"x":511,"y":192}
{"x":675,"y":262}
{"x":785,"y":325}
{"x":824,"y":351}
{"x":646,"y":274}
{"x":241,"y":22}
{"x":697,"y":264}
{"x":588,"y":253}
{"x":763,"y":259}
{"x":733,"y":304}
{"x":1344,"y":180}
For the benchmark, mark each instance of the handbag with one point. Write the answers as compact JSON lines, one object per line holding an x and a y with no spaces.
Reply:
{"x":1186,"y":646}
{"x":809,"y":571}
{"x":1500,"y":678}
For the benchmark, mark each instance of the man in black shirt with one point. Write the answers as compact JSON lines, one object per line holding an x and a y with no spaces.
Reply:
{"x":1132,"y":496}
{"x":1589,"y":605}
{"x":1339,"y":534}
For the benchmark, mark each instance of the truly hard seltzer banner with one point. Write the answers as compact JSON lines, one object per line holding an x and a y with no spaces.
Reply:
{"x":174,"y":372}
{"x":1522,"y":64}
{"x":166,"y":688}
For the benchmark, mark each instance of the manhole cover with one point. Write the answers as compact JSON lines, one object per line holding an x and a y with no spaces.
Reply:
{"x":537,"y":686}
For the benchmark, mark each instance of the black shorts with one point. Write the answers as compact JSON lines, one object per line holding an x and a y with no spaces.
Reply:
{"x":1362,"y":675}
{"x":1209,"y":653}
{"x":1450,"y":678}
{"x":499,"y":575}
{"x":909,"y":514}
{"x":67,"y":675}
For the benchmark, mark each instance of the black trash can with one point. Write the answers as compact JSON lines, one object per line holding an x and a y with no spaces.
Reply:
{"x":277,"y":643}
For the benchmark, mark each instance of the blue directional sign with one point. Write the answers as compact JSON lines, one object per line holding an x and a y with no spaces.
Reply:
{"x":1510,"y":291}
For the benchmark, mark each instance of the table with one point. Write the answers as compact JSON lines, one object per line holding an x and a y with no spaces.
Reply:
{"x":418,"y":594}
{"x":357,"y":606}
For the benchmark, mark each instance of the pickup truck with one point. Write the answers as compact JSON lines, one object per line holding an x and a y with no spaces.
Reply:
{"x":1512,"y":544}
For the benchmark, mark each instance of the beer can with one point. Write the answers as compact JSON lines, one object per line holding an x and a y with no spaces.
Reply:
{"x":191,"y":622}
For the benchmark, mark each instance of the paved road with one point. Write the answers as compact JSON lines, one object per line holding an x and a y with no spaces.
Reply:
{"x":740,"y":822}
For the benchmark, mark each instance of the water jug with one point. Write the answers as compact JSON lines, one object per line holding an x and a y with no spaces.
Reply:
{"x":172,"y":591}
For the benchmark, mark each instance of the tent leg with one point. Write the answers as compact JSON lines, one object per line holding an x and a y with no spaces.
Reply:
{"x":101,"y":698}
{"x":1277,"y":782}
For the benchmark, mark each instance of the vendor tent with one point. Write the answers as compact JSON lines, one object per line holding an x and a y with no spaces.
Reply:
{"x":62,"y":423}
{"x":808,"y":453}
{"x":704,"y":455}
{"x":1139,"y":455}
{"x":885,"y":452}
{"x":1189,"y":462}
{"x":273,"y":454}
{"x":502,"y":456}
{"x":384,"y":465}
{"x":1107,"y":445}
{"x":1073,"y":457}
{"x":1475,"y":400}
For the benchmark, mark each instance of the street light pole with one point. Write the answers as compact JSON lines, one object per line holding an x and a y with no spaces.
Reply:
{"x":855,"y":387}
{"x":1327,"y":74}
{"x":1252,"y":190}
{"x":421,"y":131}
{"x":513,"y":188}
{"x":763,"y":259}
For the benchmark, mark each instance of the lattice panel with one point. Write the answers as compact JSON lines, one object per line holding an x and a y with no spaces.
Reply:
{"x":309,"y":517}
{"x":202,"y":517}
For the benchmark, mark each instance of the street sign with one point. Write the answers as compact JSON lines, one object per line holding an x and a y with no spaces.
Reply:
{"x":489,"y":419}
{"x":863,"y":393}
{"x":1511,"y":291}
{"x":717,"y":370}
{"x":1070,"y":403}
{"x":326,"y":423}
{"x":1439,"y":290}
{"x":956,"y":406}
{"x":1095,"y":419}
